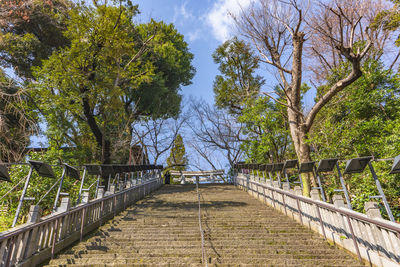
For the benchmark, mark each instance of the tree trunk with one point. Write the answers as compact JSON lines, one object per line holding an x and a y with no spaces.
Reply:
{"x":299,"y":136}
{"x":103,"y":144}
{"x":298,"y":129}
{"x":303,"y":152}
{"x":106,"y":152}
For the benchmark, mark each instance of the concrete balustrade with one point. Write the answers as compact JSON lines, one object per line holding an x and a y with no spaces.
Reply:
{"x":85,"y":197}
{"x":100,"y":193}
{"x":367,"y":236}
{"x":35,"y":212}
{"x":38,"y":240}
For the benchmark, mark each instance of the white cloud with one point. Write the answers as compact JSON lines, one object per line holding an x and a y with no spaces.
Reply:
{"x":182,"y":13}
{"x":220,"y":20}
{"x":193,"y":36}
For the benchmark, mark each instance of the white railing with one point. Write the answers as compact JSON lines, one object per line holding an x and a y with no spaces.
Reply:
{"x":370,"y":237}
{"x":32,"y":244}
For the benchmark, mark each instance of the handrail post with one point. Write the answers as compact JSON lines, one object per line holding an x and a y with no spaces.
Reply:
{"x":22,"y":197}
{"x":320,"y":221}
{"x":346,"y":194}
{"x":59,"y":189}
{"x":81,"y":186}
{"x":382,"y":194}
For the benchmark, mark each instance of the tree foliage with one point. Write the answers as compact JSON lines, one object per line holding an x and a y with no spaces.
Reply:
{"x":113,"y":71}
{"x":263,"y":130}
{"x":389,"y":19}
{"x":363,"y":121}
{"x":267,"y":133}
{"x":237,"y":82}
{"x":30,"y":30}
{"x":17,"y":120}
{"x":177,"y":159}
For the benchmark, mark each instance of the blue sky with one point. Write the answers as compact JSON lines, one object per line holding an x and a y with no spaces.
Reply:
{"x":205,"y":25}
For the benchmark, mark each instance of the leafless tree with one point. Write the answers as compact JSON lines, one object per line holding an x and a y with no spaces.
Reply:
{"x":345,"y":22}
{"x":205,"y":152}
{"x":16,"y":124}
{"x":282,"y":31}
{"x":215,"y":131}
{"x":157,"y":136}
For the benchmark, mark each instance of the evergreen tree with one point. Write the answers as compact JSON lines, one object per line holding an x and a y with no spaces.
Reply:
{"x":177,"y":155}
{"x":238,"y":83}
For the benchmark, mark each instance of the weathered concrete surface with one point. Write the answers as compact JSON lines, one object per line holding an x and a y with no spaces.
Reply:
{"x":239,"y":230}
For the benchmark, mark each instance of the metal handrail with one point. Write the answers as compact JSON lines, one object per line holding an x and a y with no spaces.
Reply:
{"x":10,"y":233}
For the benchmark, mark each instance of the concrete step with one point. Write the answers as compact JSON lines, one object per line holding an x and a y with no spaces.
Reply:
{"x":255,"y":261}
{"x":221,"y":247}
{"x":117,"y":244}
{"x":238,"y":231}
{"x":245,"y":234}
{"x":195,"y":251}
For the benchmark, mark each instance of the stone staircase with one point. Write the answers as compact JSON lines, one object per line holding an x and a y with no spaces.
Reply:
{"x":163,"y":230}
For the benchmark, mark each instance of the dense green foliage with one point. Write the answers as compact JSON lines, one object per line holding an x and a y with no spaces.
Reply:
{"x":364,"y":120}
{"x":237,"y":91}
{"x":39,"y":186}
{"x":266,"y":131}
{"x":30,"y":31}
{"x":114,"y":70}
{"x":237,"y":83}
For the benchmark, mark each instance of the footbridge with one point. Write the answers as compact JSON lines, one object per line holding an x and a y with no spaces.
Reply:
{"x":250,"y":222}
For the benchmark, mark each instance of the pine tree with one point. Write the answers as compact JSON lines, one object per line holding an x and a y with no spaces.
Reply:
{"x":177,"y":155}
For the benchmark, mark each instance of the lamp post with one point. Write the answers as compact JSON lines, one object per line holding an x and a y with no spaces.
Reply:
{"x":277,"y":167}
{"x":67,"y":171}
